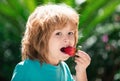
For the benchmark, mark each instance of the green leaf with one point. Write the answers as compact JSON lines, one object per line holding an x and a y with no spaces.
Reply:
{"x":107,"y":11}
{"x":30,"y":4}
{"x":89,"y":10}
{"x":7,"y":10}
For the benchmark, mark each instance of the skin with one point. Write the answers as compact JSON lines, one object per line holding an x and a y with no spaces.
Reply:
{"x":82,"y":61}
{"x":62,"y":38}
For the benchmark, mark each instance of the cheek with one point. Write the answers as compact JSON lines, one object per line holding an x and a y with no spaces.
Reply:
{"x":72,"y":38}
{"x":52,"y":44}
{"x":73,"y":41}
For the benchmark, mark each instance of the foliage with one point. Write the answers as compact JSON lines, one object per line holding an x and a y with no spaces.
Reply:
{"x":99,"y":35}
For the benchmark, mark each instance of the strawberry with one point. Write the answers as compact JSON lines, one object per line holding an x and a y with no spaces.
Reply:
{"x":69,"y":50}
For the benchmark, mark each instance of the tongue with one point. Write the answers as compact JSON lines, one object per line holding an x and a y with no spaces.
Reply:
{"x":69,"y":50}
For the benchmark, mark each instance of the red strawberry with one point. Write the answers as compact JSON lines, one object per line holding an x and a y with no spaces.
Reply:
{"x":69,"y":50}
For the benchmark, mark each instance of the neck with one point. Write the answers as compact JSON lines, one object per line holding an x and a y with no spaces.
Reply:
{"x":54,"y":62}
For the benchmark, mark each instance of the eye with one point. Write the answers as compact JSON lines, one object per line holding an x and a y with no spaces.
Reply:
{"x":58,"y":33}
{"x":70,"y":33}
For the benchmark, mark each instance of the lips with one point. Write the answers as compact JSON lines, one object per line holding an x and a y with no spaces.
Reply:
{"x":69,"y":50}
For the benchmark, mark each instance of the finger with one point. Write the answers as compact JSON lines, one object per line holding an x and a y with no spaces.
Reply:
{"x":80,"y":60}
{"x":82,"y":54}
{"x":84,"y":60}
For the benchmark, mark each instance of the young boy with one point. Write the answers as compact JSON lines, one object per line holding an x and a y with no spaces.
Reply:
{"x":49,"y":29}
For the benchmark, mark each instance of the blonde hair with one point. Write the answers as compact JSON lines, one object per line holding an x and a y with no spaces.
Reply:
{"x":40,"y":25}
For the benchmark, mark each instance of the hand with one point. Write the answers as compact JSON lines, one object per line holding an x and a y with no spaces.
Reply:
{"x":82,"y":61}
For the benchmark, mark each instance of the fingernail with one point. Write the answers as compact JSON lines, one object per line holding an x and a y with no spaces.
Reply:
{"x":76,"y":56}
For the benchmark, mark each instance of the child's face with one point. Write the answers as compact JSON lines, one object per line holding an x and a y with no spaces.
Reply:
{"x":60,"y":38}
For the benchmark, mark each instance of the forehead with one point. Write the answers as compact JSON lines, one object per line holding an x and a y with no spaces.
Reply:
{"x":70,"y":26}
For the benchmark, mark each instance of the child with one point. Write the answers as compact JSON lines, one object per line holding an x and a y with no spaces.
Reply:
{"x":49,"y":29}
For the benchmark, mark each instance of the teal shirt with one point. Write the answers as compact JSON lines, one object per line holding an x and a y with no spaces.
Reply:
{"x":32,"y":70}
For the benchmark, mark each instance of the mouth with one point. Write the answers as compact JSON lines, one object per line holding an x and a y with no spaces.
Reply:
{"x":68,"y":50}
{"x":62,"y":49}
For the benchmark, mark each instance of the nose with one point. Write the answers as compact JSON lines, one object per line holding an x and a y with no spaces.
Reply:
{"x":66,"y":39}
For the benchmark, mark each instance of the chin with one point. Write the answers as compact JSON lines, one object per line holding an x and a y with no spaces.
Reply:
{"x":65,"y":58}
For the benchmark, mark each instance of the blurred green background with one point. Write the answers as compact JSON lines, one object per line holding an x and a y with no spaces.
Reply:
{"x":99,"y":35}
